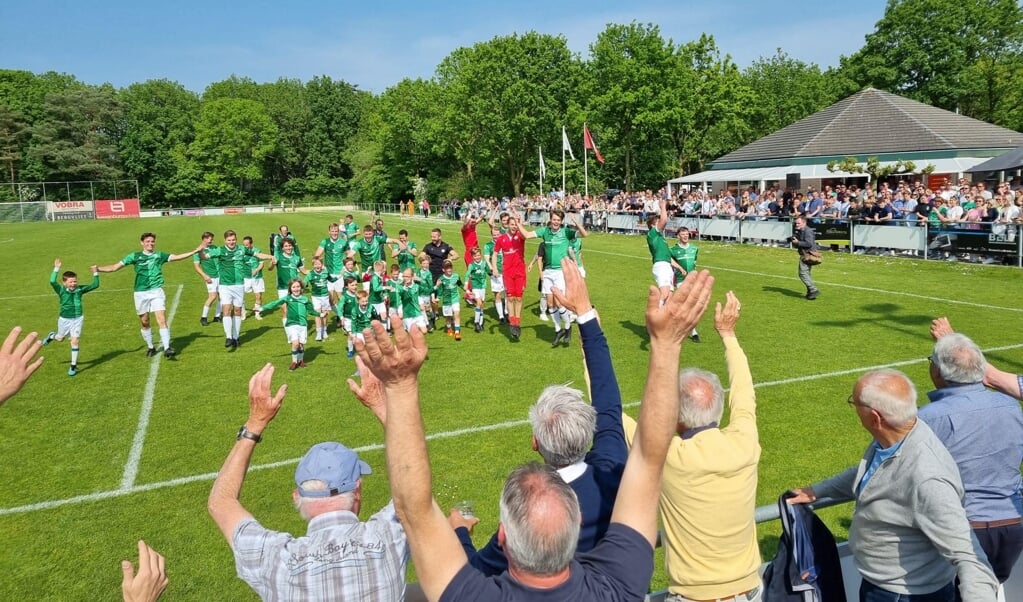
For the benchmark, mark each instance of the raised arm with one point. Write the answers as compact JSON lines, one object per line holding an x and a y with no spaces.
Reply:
{"x":999,"y":380}
{"x":180,"y":256}
{"x":435,"y":549}
{"x":742,"y":398}
{"x":668,"y":325}
{"x":224,"y":503}
{"x":111,"y":268}
{"x":609,"y":438}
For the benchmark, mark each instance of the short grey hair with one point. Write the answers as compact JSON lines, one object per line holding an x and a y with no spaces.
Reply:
{"x":959,"y":359}
{"x":891,"y":394}
{"x":701,"y":398}
{"x":563,"y":424}
{"x":541,"y":519}
{"x":310,"y":506}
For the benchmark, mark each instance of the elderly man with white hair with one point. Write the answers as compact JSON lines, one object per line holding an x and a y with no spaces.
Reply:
{"x":909,"y":534}
{"x":983,"y":430}
{"x":339,"y":557}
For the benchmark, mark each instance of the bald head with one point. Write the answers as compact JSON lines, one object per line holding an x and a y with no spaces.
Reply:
{"x":890,"y":393}
{"x":540,"y":518}
{"x":701,"y":398}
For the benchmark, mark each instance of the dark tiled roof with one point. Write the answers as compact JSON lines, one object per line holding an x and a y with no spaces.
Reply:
{"x":873,"y":122}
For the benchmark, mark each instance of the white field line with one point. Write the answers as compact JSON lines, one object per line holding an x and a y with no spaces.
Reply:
{"x":96,"y":292}
{"x":209,"y":476}
{"x":835,"y":284}
{"x":131,"y":467}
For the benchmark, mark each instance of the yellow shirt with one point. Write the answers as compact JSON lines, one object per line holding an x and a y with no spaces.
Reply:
{"x":708,"y":497}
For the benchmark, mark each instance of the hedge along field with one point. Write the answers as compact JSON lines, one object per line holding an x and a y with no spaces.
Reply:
{"x":75,"y":498}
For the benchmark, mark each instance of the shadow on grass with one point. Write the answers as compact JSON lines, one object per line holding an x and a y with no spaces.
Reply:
{"x":640,"y":331}
{"x":887,"y":314}
{"x":788,"y":292}
{"x":106,"y":357}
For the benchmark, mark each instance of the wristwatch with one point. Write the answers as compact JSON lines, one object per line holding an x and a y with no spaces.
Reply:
{"x":244,"y":433}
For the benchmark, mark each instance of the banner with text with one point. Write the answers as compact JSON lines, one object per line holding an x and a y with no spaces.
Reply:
{"x":70,"y":210}
{"x":119,"y":209}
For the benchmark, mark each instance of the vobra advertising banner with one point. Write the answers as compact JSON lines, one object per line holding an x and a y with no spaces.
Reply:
{"x":119,"y":209}
{"x":70,"y":210}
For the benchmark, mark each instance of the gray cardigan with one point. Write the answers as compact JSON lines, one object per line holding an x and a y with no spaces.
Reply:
{"x":909,"y":532}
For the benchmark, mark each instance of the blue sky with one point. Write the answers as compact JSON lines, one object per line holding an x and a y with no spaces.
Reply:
{"x":376,"y":44}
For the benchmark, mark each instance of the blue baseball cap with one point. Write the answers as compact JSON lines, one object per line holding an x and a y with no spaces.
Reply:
{"x":332,"y":463}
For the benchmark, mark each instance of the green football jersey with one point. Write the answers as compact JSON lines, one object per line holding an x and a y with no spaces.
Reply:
{"x":347,"y":304}
{"x":367,"y":251}
{"x":685,"y":257}
{"x":287,"y":269}
{"x":658,"y":246}
{"x":334,"y":252}
{"x":362,"y":317}
{"x":409,"y":296}
{"x":555,"y":245}
{"x":488,"y":250}
{"x":231,"y":263}
{"x":252,"y":262}
{"x":425,"y":282}
{"x":209,"y":265}
{"x":297,"y":309}
{"x":477,"y":274}
{"x":377,"y":289}
{"x":317,"y":282}
{"x":449,"y":288}
{"x":71,"y":301}
{"x":148,"y":269}
{"x":406,"y":257}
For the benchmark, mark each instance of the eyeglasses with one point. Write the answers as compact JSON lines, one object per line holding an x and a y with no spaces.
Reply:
{"x":852,"y":401}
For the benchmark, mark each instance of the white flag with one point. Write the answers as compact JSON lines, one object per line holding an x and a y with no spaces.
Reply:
{"x":565,"y":146}
{"x":543,"y":168}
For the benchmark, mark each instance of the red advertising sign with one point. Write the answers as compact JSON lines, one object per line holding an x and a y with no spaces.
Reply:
{"x":233,"y":210}
{"x":117,"y":209}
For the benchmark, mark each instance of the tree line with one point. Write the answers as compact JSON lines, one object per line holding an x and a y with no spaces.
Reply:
{"x":657,"y":109}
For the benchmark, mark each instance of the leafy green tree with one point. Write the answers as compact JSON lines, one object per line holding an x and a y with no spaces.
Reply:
{"x":76,"y":137}
{"x":24,"y":94}
{"x":629,"y":64}
{"x":159,"y":115}
{"x":503,"y":98}
{"x":784,"y":91}
{"x":14,"y":131}
{"x":233,"y":137}
{"x":335,"y":109}
{"x":946,"y":53}
{"x":708,"y":104}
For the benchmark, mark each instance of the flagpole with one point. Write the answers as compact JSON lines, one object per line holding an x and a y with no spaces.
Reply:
{"x":586,"y":167}
{"x":540,"y":148}
{"x":563,"y":167}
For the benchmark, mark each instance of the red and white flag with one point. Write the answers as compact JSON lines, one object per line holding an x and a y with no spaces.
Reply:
{"x":589,"y":144}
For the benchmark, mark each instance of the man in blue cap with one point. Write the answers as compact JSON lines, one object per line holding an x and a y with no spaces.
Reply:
{"x":339,"y":557}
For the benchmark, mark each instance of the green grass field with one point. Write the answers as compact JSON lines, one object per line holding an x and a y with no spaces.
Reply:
{"x":72,"y":503}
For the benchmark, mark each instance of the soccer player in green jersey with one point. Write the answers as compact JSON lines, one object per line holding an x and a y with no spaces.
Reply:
{"x":207,"y":270}
{"x":69,"y":323}
{"x":659,"y":251}
{"x":333,"y":250}
{"x":368,"y":248}
{"x":319,"y":279}
{"x":476,"y":284}
{"x":404,"y":251}
{"x":378,"y":287}
{"x":557,"y":245}
{"x":289,"y":267}
{"x":449,"y":289}
{"x":683,"y":261}
{"x":254,"y":282}
{"x":149,"y":293}
{"x":425,"y":279}
{"x":496,"y":261}
{"x":393,"y":281}
{"x":362,"y":316}
{"x":351,"y":228}
{"x":411,"y":310}
{"x":232,"y":265}
{"x":297,"y":307}
{"x":349,"y":301}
